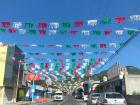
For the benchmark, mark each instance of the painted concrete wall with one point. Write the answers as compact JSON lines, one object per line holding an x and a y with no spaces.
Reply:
{"x":7,"y":82}
{"x":10,"y":62}
{"x":8,"y":96}
{"x":132,"y":83}
{"x":3,"y":54}
{"x":1,"y":95}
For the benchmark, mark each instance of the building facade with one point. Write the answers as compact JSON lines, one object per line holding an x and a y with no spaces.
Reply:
{"x":119,"y":80}
{"x":9,"y":67}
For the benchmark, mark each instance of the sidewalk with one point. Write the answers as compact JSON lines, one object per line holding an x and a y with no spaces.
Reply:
{"x":29,"y":102}
{"x":24,"y":103}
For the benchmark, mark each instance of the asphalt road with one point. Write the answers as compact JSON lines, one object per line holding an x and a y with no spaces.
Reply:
{"x":68,"y":100}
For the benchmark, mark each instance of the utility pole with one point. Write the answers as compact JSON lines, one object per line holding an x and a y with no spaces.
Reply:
{"x":33,"y":90}
{"x":17,"y":82}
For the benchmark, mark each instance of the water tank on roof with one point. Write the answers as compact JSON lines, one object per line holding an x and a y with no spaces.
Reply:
{"x":104,"y":78}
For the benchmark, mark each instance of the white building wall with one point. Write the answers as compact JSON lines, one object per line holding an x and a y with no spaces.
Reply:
{"x":132,"y":83}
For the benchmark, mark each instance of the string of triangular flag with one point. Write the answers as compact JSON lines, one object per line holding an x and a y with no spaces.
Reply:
{"x":94,"y":45}
{"x":62,"y":54}
{"x":56,"y":25}
{"x":107,"y":32}
{"x":75,"y":69}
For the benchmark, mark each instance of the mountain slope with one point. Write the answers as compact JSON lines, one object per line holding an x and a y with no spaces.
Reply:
{"x":133,"y":70}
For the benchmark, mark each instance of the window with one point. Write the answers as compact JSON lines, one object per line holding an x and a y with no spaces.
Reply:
{"x":114,"y":95}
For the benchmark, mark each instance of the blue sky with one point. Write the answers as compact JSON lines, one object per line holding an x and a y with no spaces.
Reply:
{"x":72,"y":10}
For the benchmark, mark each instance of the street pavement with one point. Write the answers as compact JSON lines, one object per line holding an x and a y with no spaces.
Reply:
{"x":68,"y":100}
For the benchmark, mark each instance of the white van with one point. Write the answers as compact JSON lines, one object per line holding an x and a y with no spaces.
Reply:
{"x":58,"y":96}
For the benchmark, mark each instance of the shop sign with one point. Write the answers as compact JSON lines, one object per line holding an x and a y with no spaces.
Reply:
{"x":33,"y":77}
{"x":39,"y":87}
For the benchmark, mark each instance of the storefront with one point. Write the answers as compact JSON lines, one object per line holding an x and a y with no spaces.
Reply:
{"x":115,"y":80}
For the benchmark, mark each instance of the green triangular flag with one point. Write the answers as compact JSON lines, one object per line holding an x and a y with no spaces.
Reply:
{"x":62,"y":32}
{"x":2,"y":30}
{"x":106,"y":21}
{"x":41,"y":45}
{"x":96,"y":52}
{"x":73,"y":54}
{"x":93,"y":45}
{"x":66,"y":24}
{"x":68,"y":46}
{"x":42,"y":65}
{"x":122,"y":44}
{"x":51,"y":53}
{"x":73,"y":60}
{"x":29,"y":25}
{"x":54,"y":60}
{"x":32,"y":32}
{"x":73,"y":64}
{"x":19,"y":45}
{"x":27,"y":66}
{"x":96,"y":32}
{"x":30,"y":53}
{"x":92,"y":59}
{"x":131,"y":32}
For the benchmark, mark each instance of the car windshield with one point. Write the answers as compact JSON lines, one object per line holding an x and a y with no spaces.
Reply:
{"x":114,"y":95}
{"x":95,"y":95}
{"x":58,"y":93}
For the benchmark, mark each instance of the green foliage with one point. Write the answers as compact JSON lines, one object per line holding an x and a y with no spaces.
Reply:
{"x":133,"y":70}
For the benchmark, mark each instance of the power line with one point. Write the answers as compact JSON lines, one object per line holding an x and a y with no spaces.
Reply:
{"x":124,"y":45}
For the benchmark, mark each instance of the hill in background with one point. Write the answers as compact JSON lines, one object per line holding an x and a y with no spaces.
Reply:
{"x":130,"y":69}
{"x":133,"y":70}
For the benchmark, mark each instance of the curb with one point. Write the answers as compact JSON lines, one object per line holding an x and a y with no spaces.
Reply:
{"x":28,"y":103}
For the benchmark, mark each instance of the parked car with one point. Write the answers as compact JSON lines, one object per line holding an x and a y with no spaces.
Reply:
{"x":79,"y":96}
{"x":92,"y":98}
{"x":111,"y":98}
{"x":58,"y":96}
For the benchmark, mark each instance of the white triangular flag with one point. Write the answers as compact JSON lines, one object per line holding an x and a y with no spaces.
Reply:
{"x":68,"y":64}
{"x":92,"y":22}
{"x":66,"y":53}
{"x":112,"y":52}
{"x":24,"y":53}
{"x":88,"y":52}
{"x":102,"y":63}
{"x":43,"y":53}
{"x":54,"y":25}
{"x":86,"y":32}
{"x":59,"y":45}
{"x":119,"y":32}
{"x":67,"y":67}
{"x":17,"y":24}
{"x":22,"y":31}
{"x":52,"y":32}
{"x":84,"y":46}
{"x":33,"y":45}
{"x":113,"y":45}
{"x":83,"y":66}
{"x":135,"y":17}
{"x":86,"y":60}
{"x":67,"y":60}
